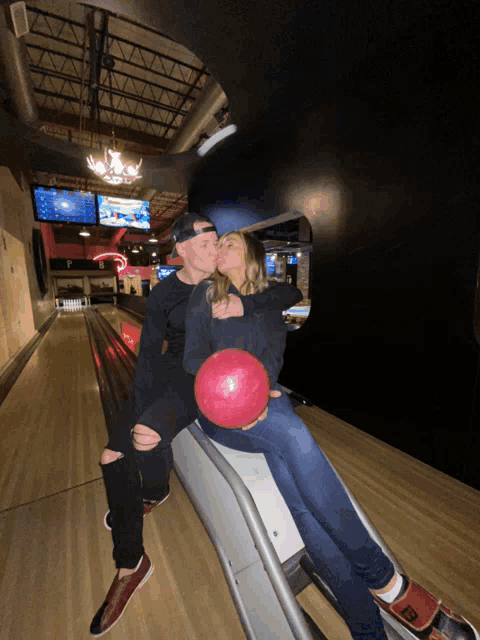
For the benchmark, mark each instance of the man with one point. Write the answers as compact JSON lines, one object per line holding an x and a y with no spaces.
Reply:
{"x":136,"y":478}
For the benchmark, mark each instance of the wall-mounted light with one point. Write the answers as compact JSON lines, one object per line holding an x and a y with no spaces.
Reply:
{"x":135,"y":250}
{"x":153,"y":239}
{"x":84,"y":232}
{"x":215,"y":139}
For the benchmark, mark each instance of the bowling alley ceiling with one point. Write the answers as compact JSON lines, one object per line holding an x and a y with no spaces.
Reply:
{"x":93,"y":71}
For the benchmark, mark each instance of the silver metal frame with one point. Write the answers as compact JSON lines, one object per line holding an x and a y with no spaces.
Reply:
{"x":266,"y":606}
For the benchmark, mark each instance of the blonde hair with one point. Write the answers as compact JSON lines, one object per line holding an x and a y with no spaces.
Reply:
{"x":255,"y":269}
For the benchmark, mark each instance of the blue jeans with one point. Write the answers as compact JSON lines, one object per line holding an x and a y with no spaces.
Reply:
{"x":341,"y":548}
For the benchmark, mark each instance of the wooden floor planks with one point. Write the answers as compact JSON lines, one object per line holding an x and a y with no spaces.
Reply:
{"x":55,"y":554}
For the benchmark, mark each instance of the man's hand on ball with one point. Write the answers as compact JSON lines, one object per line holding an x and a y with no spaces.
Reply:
{"x":231,"y":308}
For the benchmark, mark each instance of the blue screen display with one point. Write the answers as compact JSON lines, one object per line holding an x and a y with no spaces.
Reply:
{"x":270,"y":263}
{"x":61,"y":205}
{"x":164,"y":272}
{"x":292,"y":260}
{"x":122,"y":212}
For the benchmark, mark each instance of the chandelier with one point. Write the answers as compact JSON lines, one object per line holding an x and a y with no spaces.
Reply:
{"x":114,"y":170}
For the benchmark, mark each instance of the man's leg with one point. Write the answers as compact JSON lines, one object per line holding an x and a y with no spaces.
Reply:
{"x":155,"y":461}
{"x":124,"y":497}
{"x":173,"y":410}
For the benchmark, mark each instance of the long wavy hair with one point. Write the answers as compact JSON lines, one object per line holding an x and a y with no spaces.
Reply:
{"x":255,"y":269}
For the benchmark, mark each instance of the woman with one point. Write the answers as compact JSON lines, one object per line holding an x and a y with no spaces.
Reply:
{"x":344,"y":554}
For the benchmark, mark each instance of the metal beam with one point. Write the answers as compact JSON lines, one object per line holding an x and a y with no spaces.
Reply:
{"x":70,"y":121}
{"x":117,"y":92}
{"x":117,"y":111}
{"x":118,"y":39}
{"x":96,"y":51}
{"x":148,"y":83}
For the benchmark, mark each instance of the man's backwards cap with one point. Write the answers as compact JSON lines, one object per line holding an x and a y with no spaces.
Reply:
{"x":183,"y":229}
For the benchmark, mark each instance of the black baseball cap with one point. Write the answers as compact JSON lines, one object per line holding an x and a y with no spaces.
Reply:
{"x":183,"y":229}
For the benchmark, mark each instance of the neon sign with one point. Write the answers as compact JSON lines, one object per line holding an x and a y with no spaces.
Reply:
{"x":117,"y":257}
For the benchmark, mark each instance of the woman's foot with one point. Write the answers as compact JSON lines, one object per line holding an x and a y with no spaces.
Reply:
{"x":424,"y":616}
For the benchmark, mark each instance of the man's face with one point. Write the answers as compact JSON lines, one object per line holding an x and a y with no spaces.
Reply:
{"x":201,"y":252}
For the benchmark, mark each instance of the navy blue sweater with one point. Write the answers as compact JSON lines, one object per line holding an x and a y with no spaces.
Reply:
{"x":165,"y":320}
{"x":263,"y":334}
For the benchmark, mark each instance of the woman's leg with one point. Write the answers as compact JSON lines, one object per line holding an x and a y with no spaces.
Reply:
{"x":346,"y":581}
{"x":321,"y":491}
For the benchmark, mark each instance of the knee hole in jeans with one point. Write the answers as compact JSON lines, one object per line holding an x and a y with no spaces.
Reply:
{"x":144,"y":438}
{"x":108,"y":456}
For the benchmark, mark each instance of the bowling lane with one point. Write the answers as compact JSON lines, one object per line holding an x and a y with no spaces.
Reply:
{"x":55,"y":556}
{"x":52,"y":423}
{"x":430,"y":520}
{"x":127,"y":327}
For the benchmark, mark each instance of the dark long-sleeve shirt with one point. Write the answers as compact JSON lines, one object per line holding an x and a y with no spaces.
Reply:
{"x":263,"y":334}
{"x":165,"y":320}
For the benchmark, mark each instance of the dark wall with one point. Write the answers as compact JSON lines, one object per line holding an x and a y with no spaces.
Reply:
{"x":384,"y":168}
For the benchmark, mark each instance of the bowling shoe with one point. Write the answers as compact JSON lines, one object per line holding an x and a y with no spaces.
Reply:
{"x":118,"y":597}
{"x":425,"y":617}
{"x":147,"y":507}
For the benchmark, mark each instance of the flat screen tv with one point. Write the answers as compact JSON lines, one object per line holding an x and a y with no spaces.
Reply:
{"x":270,"y":264}
{"x":164,"y":271}
{"x":292,"y":260}
{"x":64,"y":205}
{"x":123,"y":212}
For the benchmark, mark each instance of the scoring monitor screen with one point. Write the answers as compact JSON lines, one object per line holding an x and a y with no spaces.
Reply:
{"x":122,"y":212}
{"x":63,"y":205}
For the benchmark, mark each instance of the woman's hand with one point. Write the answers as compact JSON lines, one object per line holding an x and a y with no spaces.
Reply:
{"x":262,"y":416}
{"x":231,"y":308}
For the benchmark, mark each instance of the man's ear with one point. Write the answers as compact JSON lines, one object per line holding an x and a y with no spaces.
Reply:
{"x":180,"y":249}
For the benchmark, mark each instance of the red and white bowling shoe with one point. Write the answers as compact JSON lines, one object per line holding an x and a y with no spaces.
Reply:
{"x":424,"y":617}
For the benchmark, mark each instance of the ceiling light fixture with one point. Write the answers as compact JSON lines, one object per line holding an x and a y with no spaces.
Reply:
{"x":135,"y":250}
{"x":153,"y":239}
{"x":215,"y":139}
{"x":114,"y":170}
{"x":84,"y":232}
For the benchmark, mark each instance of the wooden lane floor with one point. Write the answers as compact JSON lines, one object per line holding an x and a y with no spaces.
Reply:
{"x":55,"y":554}
{"x":51,"y":423}
{"x":429,"y":520}
{"x":124,"y":324}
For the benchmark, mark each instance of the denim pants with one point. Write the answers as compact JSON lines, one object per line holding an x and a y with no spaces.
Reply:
{"x":341,"y":548}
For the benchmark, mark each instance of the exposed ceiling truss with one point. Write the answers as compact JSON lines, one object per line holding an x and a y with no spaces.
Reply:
{"x":89,"y":78}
